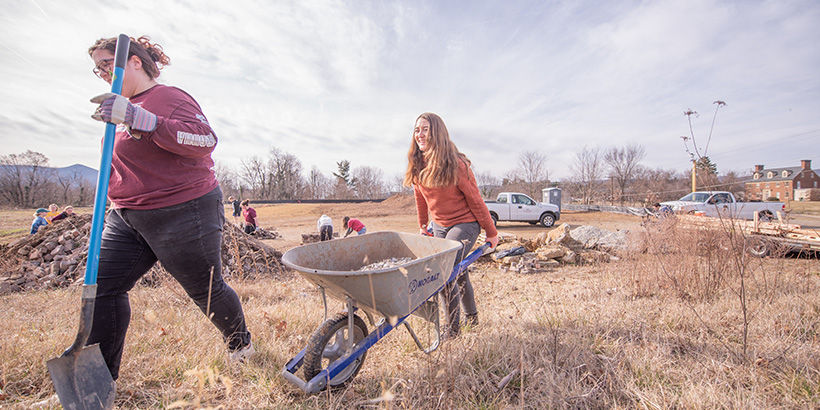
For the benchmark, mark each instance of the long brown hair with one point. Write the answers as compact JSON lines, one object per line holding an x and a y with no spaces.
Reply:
{"x":438,"y":167}
{"x":152,"y":57}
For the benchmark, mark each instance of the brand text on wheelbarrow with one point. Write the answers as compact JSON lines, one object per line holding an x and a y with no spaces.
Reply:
{"x":415,"y":283}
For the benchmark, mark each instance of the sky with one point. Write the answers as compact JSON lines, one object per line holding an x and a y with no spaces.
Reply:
{"x":329,"y":80}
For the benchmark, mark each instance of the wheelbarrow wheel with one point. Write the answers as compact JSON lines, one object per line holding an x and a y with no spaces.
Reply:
{"x":329,"y":343}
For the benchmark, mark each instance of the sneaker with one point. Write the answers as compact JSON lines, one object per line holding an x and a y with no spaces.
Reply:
{"x":242,"y":355}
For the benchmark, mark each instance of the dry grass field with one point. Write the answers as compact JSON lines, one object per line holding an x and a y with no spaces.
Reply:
{"x":686,"y":319}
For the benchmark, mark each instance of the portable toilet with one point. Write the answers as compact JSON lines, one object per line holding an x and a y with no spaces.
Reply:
{"x":552,"y":196}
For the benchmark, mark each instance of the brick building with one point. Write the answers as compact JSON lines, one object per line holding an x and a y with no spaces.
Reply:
{"x":780,"y":183}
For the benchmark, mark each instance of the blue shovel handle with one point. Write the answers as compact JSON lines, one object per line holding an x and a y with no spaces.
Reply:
{"x":101,"y":195}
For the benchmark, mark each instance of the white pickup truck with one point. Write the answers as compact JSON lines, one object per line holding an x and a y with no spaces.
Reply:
{"x":723,"y":204}
{"x":514,"y":206}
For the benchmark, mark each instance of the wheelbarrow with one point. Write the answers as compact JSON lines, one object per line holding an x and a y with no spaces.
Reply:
{"x":336,"y":350}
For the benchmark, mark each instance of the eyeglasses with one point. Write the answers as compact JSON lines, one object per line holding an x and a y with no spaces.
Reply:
{"x":103,"y":67}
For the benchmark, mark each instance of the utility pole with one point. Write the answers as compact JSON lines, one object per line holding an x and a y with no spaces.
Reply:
{"x":695,"y":154}
{"x":694,"y":173}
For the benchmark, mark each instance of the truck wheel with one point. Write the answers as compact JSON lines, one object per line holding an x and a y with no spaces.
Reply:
{"x":495,"y":219}
{"x":329,"y":343}
{"x":758,"y":247}
{"x":766,"y":216}
{"x":548,"y":220}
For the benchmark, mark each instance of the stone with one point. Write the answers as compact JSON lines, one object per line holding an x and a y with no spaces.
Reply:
{"x":570,"y":257}
{"x":551,"y":263}
{"x":597,"y":238}
{"x":550,"y":252}
{"x":558,"y":234}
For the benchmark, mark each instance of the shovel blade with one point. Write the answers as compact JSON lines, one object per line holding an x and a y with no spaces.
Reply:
{"x":82,"y":379}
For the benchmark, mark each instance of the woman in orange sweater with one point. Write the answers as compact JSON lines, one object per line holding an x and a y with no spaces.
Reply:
{"x":447,"y":198}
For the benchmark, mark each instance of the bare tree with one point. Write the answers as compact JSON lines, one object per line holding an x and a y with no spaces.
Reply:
{"x":67,"y":182}
{"x":734,"y":182}
{"x":588,"y":172}
{"x":26,"y":179}
{"x":286,"y":175}
{"x":396,"y":185}
{"x":622,"y":163}
{"x":531,"y":176}
{"x":255,"y":175}
{"x":318,"y":185}
{"x":487,"y":183}
{"x":657,"y":185}
{"x":228,"y":181}
{"x":369,"y":182}
{"x":85,"y":192}
{"x":341,"y":190}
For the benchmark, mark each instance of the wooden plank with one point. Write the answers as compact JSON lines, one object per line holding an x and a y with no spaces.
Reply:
{"x":774,"y":229}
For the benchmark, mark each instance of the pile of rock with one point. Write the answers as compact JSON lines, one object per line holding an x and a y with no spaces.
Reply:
{"x":56,"y":257}
{"x":558,"y":247}
{"x":245,"y":256}
{"x":262,"y":233}
{"x":53,"y":257}
{"x":315,"y":237}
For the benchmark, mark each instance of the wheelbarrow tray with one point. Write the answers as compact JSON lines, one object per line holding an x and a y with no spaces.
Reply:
{"x":390,"y":292}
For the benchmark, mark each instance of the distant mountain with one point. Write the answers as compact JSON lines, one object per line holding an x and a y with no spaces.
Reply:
{"x":89,"y":174}
{"x":86,"y":173}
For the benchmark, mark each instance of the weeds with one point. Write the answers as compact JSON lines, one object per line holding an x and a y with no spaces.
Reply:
{"x":662,"y":328}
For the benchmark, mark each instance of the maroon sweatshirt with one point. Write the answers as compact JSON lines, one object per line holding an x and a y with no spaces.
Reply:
{"x":169,"y":165}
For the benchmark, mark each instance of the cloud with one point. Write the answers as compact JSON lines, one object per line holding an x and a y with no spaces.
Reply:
{"x":329,"y":80}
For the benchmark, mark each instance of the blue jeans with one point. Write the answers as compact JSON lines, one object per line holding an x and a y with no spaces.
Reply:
{"x":186,"y":239}
{"x":460,"y":289}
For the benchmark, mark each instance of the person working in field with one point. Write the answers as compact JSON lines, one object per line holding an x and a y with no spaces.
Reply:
{"x":353,"y":225}
{"x":165,"y":199}
{"x":447,"y":197}
{"x":237,"y":210}
{"x":67,"y":211}
{"x":251,"y":221}
{"x":39,"y":220}
{"x":325,"y":227}
{"x":53,"y":210}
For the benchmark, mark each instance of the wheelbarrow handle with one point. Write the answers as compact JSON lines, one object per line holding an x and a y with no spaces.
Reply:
{"x":472,"y":257}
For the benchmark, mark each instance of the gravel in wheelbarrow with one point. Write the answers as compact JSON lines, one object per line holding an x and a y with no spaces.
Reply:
{"x":394,"y":291}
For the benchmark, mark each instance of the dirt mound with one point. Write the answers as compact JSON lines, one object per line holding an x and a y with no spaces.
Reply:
{"x":399,"y":201}
{"x":56,"y":257}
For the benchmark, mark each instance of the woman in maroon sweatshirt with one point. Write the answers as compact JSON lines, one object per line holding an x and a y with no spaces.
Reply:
{"x":447,"y":197}
{"x":166,"y":202}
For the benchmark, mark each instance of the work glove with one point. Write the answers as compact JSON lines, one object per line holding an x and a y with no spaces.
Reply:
{"x":116,"y":109}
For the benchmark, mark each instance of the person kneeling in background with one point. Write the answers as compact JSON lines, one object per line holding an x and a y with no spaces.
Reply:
{"x":325,"y":227}
{"x":39,"y":220}
{"x":67,"y":211}
{"x":251,"y":221}
{"x":353,"y":225}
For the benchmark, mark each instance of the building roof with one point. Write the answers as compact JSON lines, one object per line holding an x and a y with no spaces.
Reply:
{"x":775,"y":174}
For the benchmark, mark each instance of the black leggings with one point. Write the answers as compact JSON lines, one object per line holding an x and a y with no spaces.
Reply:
{"x":187,"y":239}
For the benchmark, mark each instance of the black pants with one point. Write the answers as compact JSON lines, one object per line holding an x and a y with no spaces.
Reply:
{"x":326,"y":233}
{"x":187,"y":240}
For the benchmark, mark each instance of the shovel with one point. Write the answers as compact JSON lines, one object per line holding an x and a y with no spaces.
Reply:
{"x":80,"y":375}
